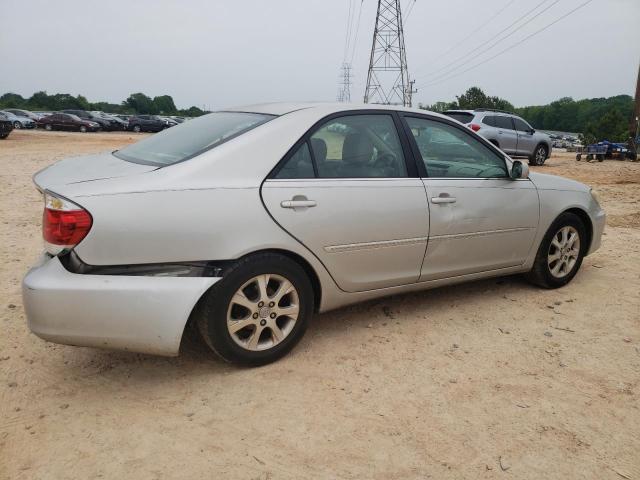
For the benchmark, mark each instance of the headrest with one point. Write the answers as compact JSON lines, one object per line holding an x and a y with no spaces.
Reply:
{"x":319,"y":147}
{"x":357,"y":148}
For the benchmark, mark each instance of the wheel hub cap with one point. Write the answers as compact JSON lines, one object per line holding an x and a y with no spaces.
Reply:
{"x":263,"y":312}
{"x":564,"y":252}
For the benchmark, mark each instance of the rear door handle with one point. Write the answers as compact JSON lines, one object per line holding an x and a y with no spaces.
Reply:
{"x":442,"y":199}
{"x":298,"y":203}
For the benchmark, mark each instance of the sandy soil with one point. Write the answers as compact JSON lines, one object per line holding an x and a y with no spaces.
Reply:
{"x":494,"y":379}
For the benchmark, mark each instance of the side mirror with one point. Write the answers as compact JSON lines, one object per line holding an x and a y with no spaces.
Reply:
{"x":519,"y":170}
{"x":532,"y":131}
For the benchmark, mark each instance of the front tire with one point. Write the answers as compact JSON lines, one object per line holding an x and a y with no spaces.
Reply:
{"x":258,"y":312}
{"x":48,"y":127}
{"x":137,"y":129}
{"x":17,"y":125}
{"x":561,"y":252}
{"x":539,"y":156}
{"x":83,"y":129}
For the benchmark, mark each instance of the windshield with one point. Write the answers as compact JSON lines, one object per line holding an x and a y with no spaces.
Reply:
{"x":189,"y":139}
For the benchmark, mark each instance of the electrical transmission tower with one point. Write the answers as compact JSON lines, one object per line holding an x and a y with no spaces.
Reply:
{"x":388,"y":79}
{"x":344,"y":92}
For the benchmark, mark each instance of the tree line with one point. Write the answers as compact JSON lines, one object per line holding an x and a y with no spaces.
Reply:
{"x":136,"y":103}
{"x":595,"y":118}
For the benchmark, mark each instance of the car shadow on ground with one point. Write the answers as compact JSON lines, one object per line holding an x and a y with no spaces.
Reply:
{"x":196,"y":359}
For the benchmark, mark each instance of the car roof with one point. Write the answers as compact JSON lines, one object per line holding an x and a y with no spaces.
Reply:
{"x":481,"y":110}
{"x":327,"y":108}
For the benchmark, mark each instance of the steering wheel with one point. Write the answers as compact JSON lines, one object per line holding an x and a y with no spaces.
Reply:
{"x":387,"y":161}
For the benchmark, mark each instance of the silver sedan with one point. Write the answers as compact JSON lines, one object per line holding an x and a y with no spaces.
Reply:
{"x":245,"y":222}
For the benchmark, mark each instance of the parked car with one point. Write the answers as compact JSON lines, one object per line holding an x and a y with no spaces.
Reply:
{"x":146,"y":123}
{"x":104,"y":124}
{"x":24,"y":113}
{"x":168,"y":121}
{"x":115,"y":122}
{"x":68,"y":121}
{"x":509,"y":132}
{"x":246,"y":222}
{"x":18,"y":121}
{"x":6,"y":126}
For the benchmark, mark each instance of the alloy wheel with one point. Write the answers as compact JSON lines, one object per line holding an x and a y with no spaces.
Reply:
{"x":541,"y":156}
{"x":263,"y":312}
{"x":564,"y":252}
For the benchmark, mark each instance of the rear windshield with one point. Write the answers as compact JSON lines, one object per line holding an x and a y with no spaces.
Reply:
{"x":191,"y":138}
{"x":462,"y":117}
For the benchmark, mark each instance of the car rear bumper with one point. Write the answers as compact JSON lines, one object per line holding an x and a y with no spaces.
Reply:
{"x":143,"y":314}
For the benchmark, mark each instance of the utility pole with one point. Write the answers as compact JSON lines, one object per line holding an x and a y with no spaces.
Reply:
{"x":388,"y":78}
{"x":344,"y":93}
{"x":411,"y":91}
{"x":634,"y":126}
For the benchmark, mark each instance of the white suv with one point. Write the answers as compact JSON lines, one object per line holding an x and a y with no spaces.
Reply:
{"x":508,"y":132}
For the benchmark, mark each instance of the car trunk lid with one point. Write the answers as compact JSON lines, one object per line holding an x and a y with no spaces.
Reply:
{"x":87,"y":168}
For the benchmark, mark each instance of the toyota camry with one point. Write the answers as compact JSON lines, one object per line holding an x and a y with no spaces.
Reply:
{"x":245,"y":222}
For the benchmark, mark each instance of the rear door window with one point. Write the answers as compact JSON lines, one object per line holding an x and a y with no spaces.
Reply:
{"x":489,"y":120}
{"x":521,"y":125}
{"x":298,"y":166}
{"x":504,"y":122}
{"x":358,"y":146}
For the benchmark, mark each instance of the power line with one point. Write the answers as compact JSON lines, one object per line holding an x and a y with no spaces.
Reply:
{"x":347,"y":38}
{"x":480,"y":27}
{"x":411,"y":9}
{"x":497,"y":42}
{"x":355,"y":40}
{"x":512,"y":46}
{"x":487,"y":41}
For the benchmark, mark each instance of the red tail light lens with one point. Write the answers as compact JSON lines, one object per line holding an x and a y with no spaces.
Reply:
{"x":475,"y":127}
{"x":64,"y":224}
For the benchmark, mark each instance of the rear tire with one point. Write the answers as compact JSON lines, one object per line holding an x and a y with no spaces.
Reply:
{"x":4,"y":136}
{"x":48,"y":127}
{"x":539,"y":156}
{"x":560,"y":254}
{"x":250,"y":297}
{"x":136,"y":128}
{"x":17,"y":125}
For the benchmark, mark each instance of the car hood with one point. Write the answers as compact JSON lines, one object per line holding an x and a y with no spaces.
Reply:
{"x":543,"y":181}
{"x":87,"y":168}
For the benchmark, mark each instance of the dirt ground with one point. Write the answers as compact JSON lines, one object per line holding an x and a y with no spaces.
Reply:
{"x":493,"y":379}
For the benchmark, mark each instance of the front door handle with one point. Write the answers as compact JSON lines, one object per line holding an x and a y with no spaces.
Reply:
{"x":444,"y":198}
{"x":299,"y":201}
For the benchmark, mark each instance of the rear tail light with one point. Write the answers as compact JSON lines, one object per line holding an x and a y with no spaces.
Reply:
{"x":64,"y":224}
{"x":475,"y":127}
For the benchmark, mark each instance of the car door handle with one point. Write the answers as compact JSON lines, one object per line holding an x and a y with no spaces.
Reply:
{"x":298,"y":203}
{"x":440,"y":200}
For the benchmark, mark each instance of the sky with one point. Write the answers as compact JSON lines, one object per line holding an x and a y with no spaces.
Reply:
{"x":216,"y":54}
